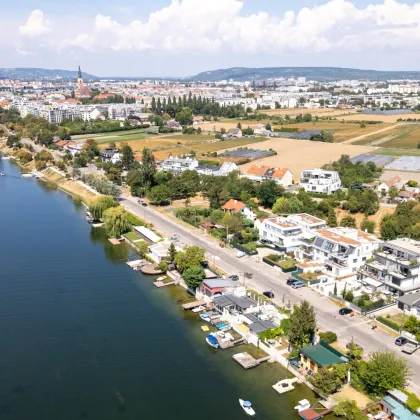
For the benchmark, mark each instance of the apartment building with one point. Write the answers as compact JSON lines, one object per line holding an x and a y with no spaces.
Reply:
{"x":177,"y":165}
{"x":395,"y":267}
{"x":291,"y":232}
{"x":343,"y":250}
{"x":320,"y":181}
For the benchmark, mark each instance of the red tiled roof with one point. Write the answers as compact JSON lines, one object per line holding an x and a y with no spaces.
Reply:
{"x":393,"y":180}
{"x":279,"y":172}
{"x":234,"y":205}
{"x":257,"y":170}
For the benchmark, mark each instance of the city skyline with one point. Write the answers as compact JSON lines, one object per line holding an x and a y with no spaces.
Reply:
{"x":186,"y":37}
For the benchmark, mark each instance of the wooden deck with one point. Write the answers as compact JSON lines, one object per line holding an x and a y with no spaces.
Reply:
{"x":163,"y":284}
{"x":194,"y":304}
{"x":247,"y":361}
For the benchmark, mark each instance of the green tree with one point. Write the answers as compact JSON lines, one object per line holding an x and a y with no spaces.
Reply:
{"x":192,"y":256}
{"x":348,"y":221}
{"x":163,"y":266}
{"x":302,"y":325}
{"x":147,"y":169}
{"x":281,"y":206}
{"x":390,"y":227}
{"x":172,"y":252}
{"x":268,"y":192}
{"x":116,"y":221}
{"x":91,"y":148}
{"x":143,"y":248}
{"x":393,"y":192}
{"x":161,"y":194}
{"x":367,"y":225}
{"x":127,"y":156}
{"x":193,"y":276}
{"x":101,"y":203}
{"x":332,"y":218}
{"x":184,"y":116}
{"x":325,"y":381}
{"x":232,"y":223}
{"x":385,"y":371}
{"x":268,"y":127}
{"x":349,"y":410}
{"x":328,"y":336}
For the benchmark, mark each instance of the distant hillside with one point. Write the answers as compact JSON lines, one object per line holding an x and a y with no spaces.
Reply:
{"x":38,"y":73}
{"x":311,"y":73}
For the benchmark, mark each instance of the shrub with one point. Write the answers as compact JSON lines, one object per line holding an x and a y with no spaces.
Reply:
{"x":328,"y":336}
{"x":77,"y":199}
{"x":388,"y":323}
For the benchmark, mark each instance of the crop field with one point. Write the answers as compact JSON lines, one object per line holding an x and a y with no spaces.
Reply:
{"x":115,"y":136}
{"x":297,"y":155}
{"x":321,"y":112}
{"x":408,"y":136}
{"x":385,"y":118}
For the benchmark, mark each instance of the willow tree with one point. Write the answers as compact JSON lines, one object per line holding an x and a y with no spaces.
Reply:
{"x":100,"y":204}
{"x":116,"y":221}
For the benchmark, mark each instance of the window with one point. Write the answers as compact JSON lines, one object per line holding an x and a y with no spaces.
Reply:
{"x":355,"y":261}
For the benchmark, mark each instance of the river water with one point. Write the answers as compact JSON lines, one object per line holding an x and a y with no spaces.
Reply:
{"x":84,"y":337}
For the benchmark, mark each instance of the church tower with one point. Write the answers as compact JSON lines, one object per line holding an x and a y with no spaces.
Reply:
{"x":79,"y":80}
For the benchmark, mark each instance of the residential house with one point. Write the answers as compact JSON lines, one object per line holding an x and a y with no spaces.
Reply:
{"x":207,"y":169}
{"x":177,"y":165}
{"x":260,"y":173}
{"x":384,"y":186}
{"x":226,"y":169}
{"x":319,"y":181}
{"x":235,"y":302}
{"x":107,"y":155}
{"x":214,"y":287}
{"x":291,"y":232}
{"x":313,"y":358}
{"x":175,"y":125}
{"x":160,"y":251}
{"x":259,"y":129}
{"x":396,"y":265}
{"x":394,"y":407}
{"x":410,"y":304}
{"x":198,"y":120}
{"x":343,"y":250}
{"x":234,"y":133}
{"x":237,"y":207}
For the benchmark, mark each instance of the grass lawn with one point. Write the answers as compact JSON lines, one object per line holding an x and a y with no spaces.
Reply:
{"x":287,"y":263}
{"x":397,"y":152}
{"x":132,"y":236}
{"x":109,"y":134}
{"x":397,"y":318}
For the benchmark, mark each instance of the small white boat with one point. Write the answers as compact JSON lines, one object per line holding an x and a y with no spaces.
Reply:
{"x":205,"y":317}
{"x":199,"y":309}
{"x":303,"y":405}
{"x":30,"y":175}
{"x":247,"y":407}
{"x":161,"y":278}
{"x":2,"y":174}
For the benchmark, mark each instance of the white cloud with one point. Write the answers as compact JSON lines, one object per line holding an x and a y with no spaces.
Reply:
{"x":199,"y":26}
{"x":36,"y":25}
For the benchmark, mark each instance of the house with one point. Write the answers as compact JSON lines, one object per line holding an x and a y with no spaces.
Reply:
{"x":320,"y":355}
{"x":198,"y":120}
{"x":175,"y":125}
{"x":160,"y":251}
{"x":319,"y":181}
{"x":207,"y":169}
{"x":235,"y":302}
{"x":406,"y":196}
{"x":234,"y":133}
{"x":110,"y":155}
{"x":396,"y":265}
{"x":215,"y":287}
{"x":226,"y":169}
{"x":177,"y":165}
{"x":237,"y":207}
{"x":410,"y":304}
{"x":394,"y":405}
{"x":260,"y":173}
{"x":289,"y":233}
{"x":343,"y":250}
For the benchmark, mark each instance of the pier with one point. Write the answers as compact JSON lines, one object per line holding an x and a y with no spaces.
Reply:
{"x":227,"y":341}
{"x":163,"y":284}
{"x":247,"y":361}
{"x":194,"y":304}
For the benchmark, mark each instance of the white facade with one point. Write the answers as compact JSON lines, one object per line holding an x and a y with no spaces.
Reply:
{"x":320,"y":181}
{"x":290,"y":233}
{"x":343,"y":250}
{"x":176,"y":164}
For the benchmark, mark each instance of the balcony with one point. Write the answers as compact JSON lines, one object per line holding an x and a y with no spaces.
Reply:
{"x":340,"y":263}
{"x":390,"y":256}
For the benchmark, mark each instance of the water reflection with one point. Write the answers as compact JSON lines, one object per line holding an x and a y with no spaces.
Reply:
{"x":118,"y":254}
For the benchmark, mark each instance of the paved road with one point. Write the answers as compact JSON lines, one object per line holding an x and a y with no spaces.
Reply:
{"x":262,"y":277}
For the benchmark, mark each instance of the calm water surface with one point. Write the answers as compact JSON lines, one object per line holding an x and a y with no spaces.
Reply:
{"x":84,"y":337}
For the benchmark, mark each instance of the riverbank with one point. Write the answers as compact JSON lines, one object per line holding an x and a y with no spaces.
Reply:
{"x":104,"y":342}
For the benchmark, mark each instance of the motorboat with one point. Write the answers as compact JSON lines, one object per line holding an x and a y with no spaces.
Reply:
{"x":303,"y":405}
{"x":205,"y":317}
{"x":199,"y":309}
{"x":247,"y":407}
{"x":212,"y":341}
{"x":161,"y":278}
{"x":2,"y":174}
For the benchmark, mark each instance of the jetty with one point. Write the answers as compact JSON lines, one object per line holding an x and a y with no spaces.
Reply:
{"x":159,"y":283}
{"x":151,"y":269}
{"x":247,"y":361}
{"x":193,"y":304}
{"x":135,"y":264}
{"x":285,"y":385}
{"x":226,"y":340}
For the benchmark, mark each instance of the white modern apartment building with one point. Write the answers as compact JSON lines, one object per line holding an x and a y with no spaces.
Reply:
{"x":320,"y":181}
{"x":291,"y":232}
{"x":395,"y":267}
{"x":176,"y":164}
{"x":343,"y":250}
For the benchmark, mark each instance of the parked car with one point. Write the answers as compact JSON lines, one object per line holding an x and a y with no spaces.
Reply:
{"x":345,"y":311}
{"x":240,"y":254}
{"x":268,"y":294}
{"x":234,"y":277}
{"x":290,"y":280}
{"x":144,"y":204}
{"x":400,"y":341}
{"x":297,"y":284}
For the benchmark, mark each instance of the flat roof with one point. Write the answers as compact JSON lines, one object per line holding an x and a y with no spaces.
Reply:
{"x":399,"y":410}
{"x":324,"y":355}
{"x":406,"y":243}
{"x":215,"y":283}
{"x":147,"y":233}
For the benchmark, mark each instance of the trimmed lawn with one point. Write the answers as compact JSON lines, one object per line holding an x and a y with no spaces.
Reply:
{"x":132,"y":236}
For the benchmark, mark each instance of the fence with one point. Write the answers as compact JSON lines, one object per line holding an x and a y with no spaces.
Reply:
{"x":358,"y":309}
{"x":243,"y":249}
{"x":297,"y":276}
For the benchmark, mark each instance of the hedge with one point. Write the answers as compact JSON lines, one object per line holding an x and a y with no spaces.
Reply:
{"x":388,"y":323}
{"x":286,"y":130}
{"x":374,"y":305}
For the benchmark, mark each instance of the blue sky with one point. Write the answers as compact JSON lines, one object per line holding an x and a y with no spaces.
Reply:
{"x":145,"y":38}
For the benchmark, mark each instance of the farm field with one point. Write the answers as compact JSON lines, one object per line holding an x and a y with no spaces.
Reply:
{"x":408,"y":136}
{"x":297,"y":155}
{"x":183,"y":143}
{"x":385,"y":118}
{"x":321,"y":112}
{"x":124,"y":135}
{"x":396,"y":152}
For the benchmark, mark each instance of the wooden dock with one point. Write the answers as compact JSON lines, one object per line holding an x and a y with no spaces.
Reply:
{"x":247,"y":361}
{"x":163,"y":284}
{"x":227,"y":344}
{"x":194,"y":304}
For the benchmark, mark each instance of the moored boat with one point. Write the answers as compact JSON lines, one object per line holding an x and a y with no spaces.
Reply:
{"x":212,"y":341}
{"x":199,"y":309}
{"x":247,"y":407}
{"x":205,"y":317}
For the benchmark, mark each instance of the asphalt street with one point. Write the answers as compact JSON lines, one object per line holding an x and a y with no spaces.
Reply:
{"x":260,"y":277}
